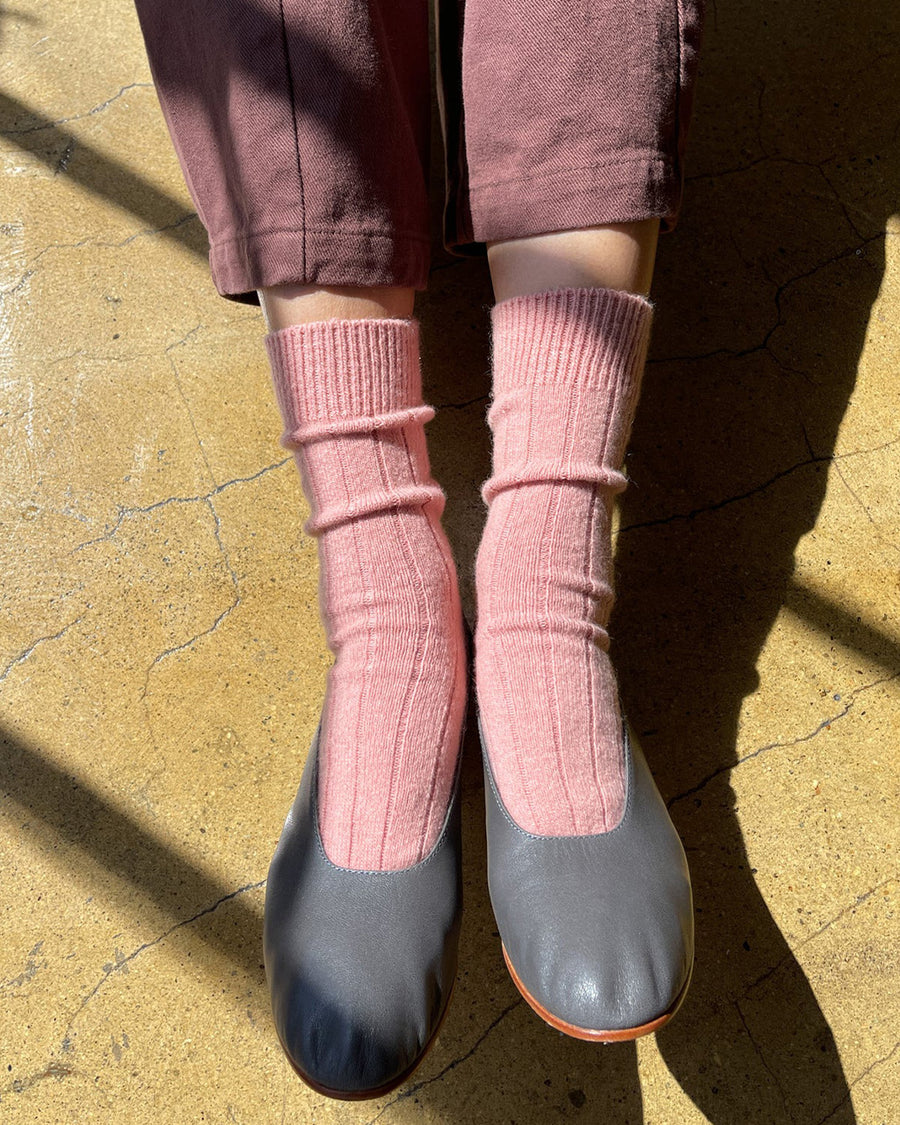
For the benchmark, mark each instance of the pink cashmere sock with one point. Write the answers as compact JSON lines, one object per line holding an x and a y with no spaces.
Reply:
{"x":567,"y":373}
{"x":351,"y":397}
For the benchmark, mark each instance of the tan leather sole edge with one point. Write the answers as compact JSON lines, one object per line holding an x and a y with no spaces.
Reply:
{"x":595,"y":1035}
{"x":378,"y":1091}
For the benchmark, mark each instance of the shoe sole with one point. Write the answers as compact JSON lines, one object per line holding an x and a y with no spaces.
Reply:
{"x":595,"y":1035}
{"x":378,"y":1091}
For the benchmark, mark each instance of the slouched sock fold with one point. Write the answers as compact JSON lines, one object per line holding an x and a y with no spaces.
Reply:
{"x":567,"y":368}
{"x":350,"y":394}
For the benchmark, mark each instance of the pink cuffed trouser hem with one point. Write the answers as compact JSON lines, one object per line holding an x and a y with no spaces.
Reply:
{"x":303,"y":127}
{"x":619,"y":192}
{"x":242,"y":264}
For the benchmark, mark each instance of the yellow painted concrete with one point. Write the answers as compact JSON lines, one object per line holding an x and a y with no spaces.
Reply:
{"x":162,"y":660}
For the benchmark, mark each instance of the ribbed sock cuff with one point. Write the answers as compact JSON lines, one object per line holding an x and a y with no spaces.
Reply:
{"x":331,"y":370}
{"x":585,"y":337}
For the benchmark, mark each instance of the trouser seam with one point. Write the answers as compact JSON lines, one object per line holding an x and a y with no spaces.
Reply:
{"x":290,"y":83}
{"x":340,"y":233}
{"x":652,"y":157}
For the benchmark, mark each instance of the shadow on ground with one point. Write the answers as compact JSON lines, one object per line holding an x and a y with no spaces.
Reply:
{"x":763,"y":298}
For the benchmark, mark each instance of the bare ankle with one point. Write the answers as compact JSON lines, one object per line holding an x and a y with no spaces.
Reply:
{"x":613,"y":256}
{"x":284,"y":305}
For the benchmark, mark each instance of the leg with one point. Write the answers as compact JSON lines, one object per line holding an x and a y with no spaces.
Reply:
{"x":568,"y":199}
{"x":350,"y":394}
{"x":345,"y":245}
{"x":311,"y":179}
{"x":303,"y":130}
{"x":616,"y":256}
{"x":360,"y":948}
{"x":535,"y":538}
{"x":284,"y":305}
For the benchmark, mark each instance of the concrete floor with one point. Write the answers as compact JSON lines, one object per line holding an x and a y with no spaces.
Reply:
{"x":163,"y":662}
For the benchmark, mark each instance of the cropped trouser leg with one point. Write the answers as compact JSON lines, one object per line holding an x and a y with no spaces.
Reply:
{"x":303,"y":128}
{"x":570,"y":114}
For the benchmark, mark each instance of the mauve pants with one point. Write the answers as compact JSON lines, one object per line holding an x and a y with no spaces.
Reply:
{"x":303,"y":126}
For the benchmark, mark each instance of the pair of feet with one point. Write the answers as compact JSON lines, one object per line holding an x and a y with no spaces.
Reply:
{"x":597,"y":933}
{"x":567,"y":366}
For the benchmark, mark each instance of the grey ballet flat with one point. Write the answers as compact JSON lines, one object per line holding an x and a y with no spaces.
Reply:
{"x":597,"y":931}
{"x":360,"y":964}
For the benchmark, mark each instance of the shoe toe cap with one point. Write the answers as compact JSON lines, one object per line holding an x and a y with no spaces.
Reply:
{"x":604,"y":977}
{"x":354,"y":1042}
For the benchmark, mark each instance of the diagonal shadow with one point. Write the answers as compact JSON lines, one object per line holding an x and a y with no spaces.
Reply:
{"x":848,"y":629}
{"x":697,"y":597}
{"x":786,"y":257}
{"x":257,"y":61}
{"x":320,"y":93}
{"x":64,"y":809}
{"x":100,"y":174}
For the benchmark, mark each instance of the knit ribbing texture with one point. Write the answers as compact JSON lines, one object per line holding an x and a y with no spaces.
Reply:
{"x":567,"y":368}
{"x":350,"y":394}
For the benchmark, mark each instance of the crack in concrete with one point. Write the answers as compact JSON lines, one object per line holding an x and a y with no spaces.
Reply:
{"x":728,"y":500}
{"x":184,"y":399}
{"x":222,"y":549}
{"x":20,"y":284}
{"x":859,"y":1078}
{"x":850,"y":251}
{"x":740,"y":353}
{"x":762,"y":1058}
{"x":52,"y":1070}
{"x":858,"y":901}
{"x":452,"y":1065}
{"x":127,"y":513}
{"x":120,"y":963}
{"x":790,"y":956}
{"x":92,"y":241}
{"x":863,"y":452}
{"x":768,"y":158}
{"x":254,"y":476}
{"x":41,"y":640}
{"x":150,"y":230}
{"x":218,"y":621}
{"x":841,"y":203}
{"x":78,"y":116}
{"x":187,"y":644}
{"x":851,"y":699}
{"x":46,"y":250}
{"x":853,"y":493}
{"x":28,"y":973}
{"x":117,"y":357}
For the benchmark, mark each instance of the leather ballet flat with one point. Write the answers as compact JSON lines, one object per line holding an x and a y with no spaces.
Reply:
{"x":597,"y":930}
{"x":360,"y":964}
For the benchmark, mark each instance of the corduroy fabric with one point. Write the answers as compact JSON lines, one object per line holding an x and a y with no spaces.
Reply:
{"x":567,"y":368}
{"x":303,"y":129}
{"x":351,"y":399}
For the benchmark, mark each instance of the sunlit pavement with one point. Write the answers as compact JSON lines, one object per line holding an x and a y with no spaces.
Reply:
{"x":163,"y":664}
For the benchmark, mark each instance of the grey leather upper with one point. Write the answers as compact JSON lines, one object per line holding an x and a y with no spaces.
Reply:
{"x":360,"y":964}
{"x":599,"y":928}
